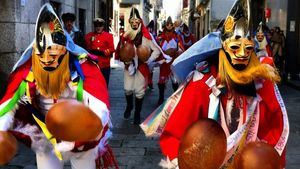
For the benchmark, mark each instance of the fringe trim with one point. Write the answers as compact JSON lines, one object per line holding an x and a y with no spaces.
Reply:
{"x":106,"y":160}
{"x":39,"y":142}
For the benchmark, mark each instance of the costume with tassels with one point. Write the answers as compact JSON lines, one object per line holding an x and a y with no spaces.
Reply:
{"x":172,"y":45}
{"x":53,"y":69}
{"x":224,"y":81}
{"x":136,"y":70}
{"x":263,"y":48}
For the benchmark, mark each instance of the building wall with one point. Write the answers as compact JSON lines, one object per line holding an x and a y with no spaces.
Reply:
{"x":218,"y":11}
{"x":293,"y":39}
{"x":278,"y":13}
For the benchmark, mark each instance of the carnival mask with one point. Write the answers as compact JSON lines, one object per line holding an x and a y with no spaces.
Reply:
{"x":52,"y":57}
{"x":239,"y":50}
{"x":134,"y":23}
{"x":169,"y":26}
{"x":50,"y":40}
{"x":260,"y":36}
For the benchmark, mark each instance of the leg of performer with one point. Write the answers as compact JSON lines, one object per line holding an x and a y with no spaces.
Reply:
{"x":129,"y":106}
{"x":140,"y":85}
{"x":174,"y":82}
{"x":128,"y":87}
{"x":137,"y":112}
{"x":84,"y":160}
{"x":150,"y":81}
{"x":106,"y":73}
{"x":175,"y":86}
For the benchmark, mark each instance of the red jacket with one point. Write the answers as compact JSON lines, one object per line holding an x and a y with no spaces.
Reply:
{"x":101,"y":45}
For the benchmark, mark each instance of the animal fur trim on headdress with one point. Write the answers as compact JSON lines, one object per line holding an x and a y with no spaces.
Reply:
{"x":254,"y":71}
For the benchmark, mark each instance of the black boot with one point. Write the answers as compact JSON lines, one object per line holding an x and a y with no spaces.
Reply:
{"x":161,"y":88}
{"x":137,"y":112}
{"x":129,"y":106}
{"x":175,"y":86}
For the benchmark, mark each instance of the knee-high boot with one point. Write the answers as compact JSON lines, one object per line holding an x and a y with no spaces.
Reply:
{"x":175,"y":86}
{"x":129,"y":106}
{"x":161,"y":87}
{"x":137,"y":112}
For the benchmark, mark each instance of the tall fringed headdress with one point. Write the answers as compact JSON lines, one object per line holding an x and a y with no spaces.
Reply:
{"x":48,"y":30}
{"x":237,"y":22}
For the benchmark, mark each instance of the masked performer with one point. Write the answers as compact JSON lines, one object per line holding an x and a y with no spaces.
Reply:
{"x":263,"y":49}
{"x":136,"y":69}
{"x":171,"y":44}
{"x":188,"y":39}
{"x":53,"y":69}
{"x":229,"y":85}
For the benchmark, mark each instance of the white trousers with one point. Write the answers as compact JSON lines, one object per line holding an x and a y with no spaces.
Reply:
{"x":81,"y":160}
{"x":134,"y":83}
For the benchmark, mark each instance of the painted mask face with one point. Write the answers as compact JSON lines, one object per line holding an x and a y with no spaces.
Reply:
{"x":260,"y":36}
{"x":239,"y":49}
{"x":52,"y":57}
{"x":134,"y":23}
{"x":169,"y":26}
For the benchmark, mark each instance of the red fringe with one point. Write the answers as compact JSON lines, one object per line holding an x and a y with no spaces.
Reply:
{"x":106,"y":160}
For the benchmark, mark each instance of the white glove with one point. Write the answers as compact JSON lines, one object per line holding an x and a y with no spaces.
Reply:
{"x":65,"y":146}
{"x":162,"y":61}
{"x":168,"y":58}
{"x":167,"y":164}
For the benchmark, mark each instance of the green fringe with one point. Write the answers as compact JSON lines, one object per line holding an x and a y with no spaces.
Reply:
{"x":18,"y":94}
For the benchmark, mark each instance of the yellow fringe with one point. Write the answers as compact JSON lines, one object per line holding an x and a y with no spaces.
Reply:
{"x":51,"y":83}
{"x":255,"y":70}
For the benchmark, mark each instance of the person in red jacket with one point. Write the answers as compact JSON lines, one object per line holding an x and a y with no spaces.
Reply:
{"x":171,"y":44}
{"x":229,"y":85}
{"x":101,"y":44}
{"x":136,"y":70}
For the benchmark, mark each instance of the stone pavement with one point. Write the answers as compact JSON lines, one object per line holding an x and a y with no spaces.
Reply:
{"x":134,"y":151}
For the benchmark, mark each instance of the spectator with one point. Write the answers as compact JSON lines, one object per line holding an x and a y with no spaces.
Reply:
{"x":101,"y":44}
{"x":77,"y":36}
{"x":277,"y":46}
